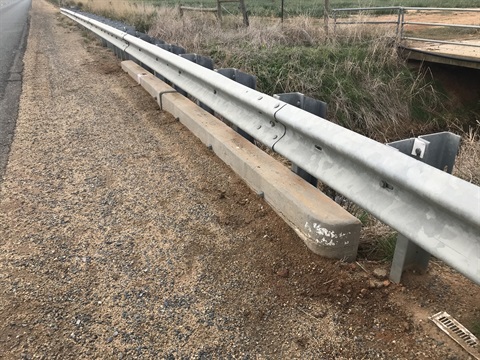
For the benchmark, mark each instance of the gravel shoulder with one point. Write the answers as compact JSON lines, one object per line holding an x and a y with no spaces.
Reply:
{"x":123,"y":237}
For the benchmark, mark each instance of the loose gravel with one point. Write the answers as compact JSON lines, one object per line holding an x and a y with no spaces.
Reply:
{"x":123,"y":237}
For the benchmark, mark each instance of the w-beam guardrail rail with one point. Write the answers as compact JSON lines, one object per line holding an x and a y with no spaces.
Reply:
{"x":437,"y":211}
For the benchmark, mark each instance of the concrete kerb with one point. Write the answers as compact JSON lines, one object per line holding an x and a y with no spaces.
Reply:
{"x":326,"y":228}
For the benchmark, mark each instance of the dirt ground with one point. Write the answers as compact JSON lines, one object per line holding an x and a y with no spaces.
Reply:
{"x":123,"y":237}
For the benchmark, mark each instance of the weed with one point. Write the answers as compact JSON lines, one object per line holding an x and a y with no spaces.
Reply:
{"x":386,"y":247}
{"x":468,"y":161}
{"x":364,"y":217}
{"x":380,"y":245}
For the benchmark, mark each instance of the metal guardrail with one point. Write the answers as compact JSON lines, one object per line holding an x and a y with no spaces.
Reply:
{"x":401,"y":13}
{"x":437,"y":211}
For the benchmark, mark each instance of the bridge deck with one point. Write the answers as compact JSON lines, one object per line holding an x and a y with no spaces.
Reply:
{"x":457,"y":55}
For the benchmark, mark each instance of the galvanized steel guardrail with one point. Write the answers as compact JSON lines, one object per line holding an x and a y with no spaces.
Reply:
{"x":437,"y":211}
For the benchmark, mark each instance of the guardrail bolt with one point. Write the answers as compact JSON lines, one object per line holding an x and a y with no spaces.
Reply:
{"x":385,"y":185}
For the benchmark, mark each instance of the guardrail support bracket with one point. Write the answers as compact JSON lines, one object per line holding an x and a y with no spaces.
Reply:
{"x":246,"y":80}
{"x":438,"y":150}
{"x":313,"y":106}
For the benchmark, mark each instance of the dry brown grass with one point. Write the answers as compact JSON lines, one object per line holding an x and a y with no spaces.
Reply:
{"x":298,"y":55}
{"x":118,"y":8}
{"x":199,"y":31}
{"x":467,"y":165}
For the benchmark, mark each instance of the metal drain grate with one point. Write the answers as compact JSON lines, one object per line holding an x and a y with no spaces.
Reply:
{"x":457,"y":332}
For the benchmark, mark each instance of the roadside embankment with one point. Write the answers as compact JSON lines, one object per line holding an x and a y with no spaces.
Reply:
{"x":123,"y":237}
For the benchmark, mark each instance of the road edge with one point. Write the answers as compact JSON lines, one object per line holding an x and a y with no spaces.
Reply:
{"x":10,"y":104}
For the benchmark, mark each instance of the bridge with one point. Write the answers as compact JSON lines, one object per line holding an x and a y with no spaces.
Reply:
{"x":447,"y":36}
{"x":456,"y":55}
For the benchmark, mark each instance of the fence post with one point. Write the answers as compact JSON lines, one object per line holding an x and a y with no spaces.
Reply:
{"x":219,"y":10}
{"x":399,"y":18}
{"x":326,"y":15}
{"x":246,"y":22}
{"x":402,"y":23}
{"x":281,"y":11}
{"x":334,"y":21}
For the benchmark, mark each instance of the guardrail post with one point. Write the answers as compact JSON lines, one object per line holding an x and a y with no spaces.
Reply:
{"x":175,"y":49}
{"x":313,"y":106}
{"x":246,"y":80}
{"x":438,"y":150}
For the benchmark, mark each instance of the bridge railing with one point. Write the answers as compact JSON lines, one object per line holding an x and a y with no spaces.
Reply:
{"x":437,"y":211}
{"x":401,"y":13}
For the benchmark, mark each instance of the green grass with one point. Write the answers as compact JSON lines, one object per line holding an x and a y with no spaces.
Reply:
{"x":313,"y":7}
{"x":378,"y":248}
{"x":368,"y":91}
{"x":386,"y":247}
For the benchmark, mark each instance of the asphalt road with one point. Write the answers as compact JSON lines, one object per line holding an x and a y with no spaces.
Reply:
{"x":13,"y":31}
